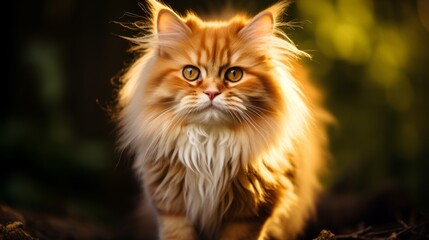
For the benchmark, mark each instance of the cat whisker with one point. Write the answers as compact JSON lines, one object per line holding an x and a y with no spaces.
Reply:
{"x":172,"y":124}
{"x":163,"y":112}
{"x":235,"y":115}
{"x":260,"y":109}
{"x":260,"y":115}
{"x":236,"y":99}
{"x":254,"y":125}
{"x":237,"y":104}
{"x":174,"y":121}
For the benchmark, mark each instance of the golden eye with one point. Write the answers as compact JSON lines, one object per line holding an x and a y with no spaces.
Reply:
{"x":191,"y":73}
{"x":234,"y":74}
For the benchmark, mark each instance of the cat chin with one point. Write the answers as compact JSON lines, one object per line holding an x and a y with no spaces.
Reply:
{"x":210,"y":116}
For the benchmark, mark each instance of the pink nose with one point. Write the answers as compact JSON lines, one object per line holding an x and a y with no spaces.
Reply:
{"x":211,"y":94}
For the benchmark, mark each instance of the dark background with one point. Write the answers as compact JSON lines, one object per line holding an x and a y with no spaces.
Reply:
{"x":57,"y":143}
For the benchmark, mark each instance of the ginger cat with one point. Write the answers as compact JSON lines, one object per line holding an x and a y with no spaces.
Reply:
{"x":229,"y":137}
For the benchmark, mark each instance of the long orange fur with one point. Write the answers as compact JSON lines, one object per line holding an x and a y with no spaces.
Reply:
{"x":242,"y":165}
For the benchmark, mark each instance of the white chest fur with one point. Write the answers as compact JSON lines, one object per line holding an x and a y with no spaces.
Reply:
{"x":211,"y":157}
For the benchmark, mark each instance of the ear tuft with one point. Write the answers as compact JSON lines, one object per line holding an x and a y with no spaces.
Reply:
{"x":169,"y":23}
{"x":262,"y":25}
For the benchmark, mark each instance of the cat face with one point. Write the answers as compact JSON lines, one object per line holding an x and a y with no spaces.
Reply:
{"x":213,"y":73}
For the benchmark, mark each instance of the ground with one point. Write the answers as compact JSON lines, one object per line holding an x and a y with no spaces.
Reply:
{"x":384,"y":215}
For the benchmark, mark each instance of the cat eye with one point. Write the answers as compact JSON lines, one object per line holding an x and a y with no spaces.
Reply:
{"x":191,"y":73}
{"x":234,"y":74}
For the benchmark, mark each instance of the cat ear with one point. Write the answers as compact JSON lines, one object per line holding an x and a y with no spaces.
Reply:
{"x":262,"y":25}
{"x":168,"y":23}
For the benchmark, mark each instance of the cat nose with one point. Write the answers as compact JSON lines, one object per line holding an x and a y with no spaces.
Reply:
{"x":211,"y":93}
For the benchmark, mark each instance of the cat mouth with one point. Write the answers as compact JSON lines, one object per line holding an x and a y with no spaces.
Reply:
{"x":209,"y":113}
{"x":211,"y":107}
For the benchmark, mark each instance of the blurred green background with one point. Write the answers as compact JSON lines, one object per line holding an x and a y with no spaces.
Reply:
{"x":57,"y":143}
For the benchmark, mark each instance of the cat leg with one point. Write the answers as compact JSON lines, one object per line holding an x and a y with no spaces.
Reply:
{"x":243,"y":230}
{"x":175,"y":227}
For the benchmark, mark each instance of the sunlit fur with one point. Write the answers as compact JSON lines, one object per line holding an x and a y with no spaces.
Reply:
{"x":243,"y":166}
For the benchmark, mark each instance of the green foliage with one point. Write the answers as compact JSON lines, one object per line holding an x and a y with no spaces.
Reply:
{"x":371,"y":57}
